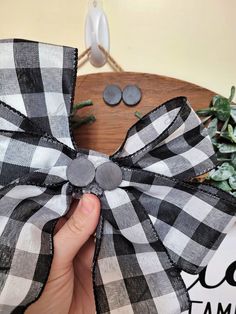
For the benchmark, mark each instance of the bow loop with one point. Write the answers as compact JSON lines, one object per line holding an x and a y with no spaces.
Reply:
{"x":22,"y":153}
{"x":170,"y":140}
{"x":38,"y":80}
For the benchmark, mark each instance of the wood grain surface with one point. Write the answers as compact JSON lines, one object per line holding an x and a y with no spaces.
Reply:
{"x":108,"y":131}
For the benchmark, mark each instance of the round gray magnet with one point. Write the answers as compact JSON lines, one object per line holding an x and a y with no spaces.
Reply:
{"x":108,"y":175}
{"x":112,"y":95}
{"x":131,"y":95}
{"x":80,"y":172}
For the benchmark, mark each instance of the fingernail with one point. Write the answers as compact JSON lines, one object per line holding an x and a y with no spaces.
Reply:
{"x":86,"y":204}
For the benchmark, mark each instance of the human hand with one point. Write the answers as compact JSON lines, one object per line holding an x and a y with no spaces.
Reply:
{"x":69,"y":288}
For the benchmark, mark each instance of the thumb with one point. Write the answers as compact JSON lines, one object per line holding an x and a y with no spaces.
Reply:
{"x":76,"y":230}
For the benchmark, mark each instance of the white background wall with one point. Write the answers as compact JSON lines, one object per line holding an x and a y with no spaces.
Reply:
{"x":193,"y":40}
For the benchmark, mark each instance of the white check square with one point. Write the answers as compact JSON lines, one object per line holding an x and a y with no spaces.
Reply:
{"x":6,"y":56}
{"x":176,"y":240}
{"x":4,"y":143}
{"x":50,"y":55}
{"x":203,"y":208}
{"x":44,"y":157}
{"x":18,"y":293}
{"x":110,"y":269}
{"x":29,"y":239}
{"x":133,"y":144}
{"x":149,"y":262}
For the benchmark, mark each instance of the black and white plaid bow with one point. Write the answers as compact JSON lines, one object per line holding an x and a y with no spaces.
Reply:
{"x":155,"y":224}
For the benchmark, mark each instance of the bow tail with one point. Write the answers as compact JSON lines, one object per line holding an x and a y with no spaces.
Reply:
{"x":27,"y":219}
{"x":132,"y":270}
{"x":191,"y":219}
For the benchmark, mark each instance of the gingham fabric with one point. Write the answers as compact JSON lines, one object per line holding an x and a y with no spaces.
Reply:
{"x":154,"y":225}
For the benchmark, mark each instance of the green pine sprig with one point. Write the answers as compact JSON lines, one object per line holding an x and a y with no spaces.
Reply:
{"x":78,"y":120}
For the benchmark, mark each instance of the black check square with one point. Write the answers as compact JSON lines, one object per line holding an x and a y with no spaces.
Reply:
{"x":142,"y":293}
{"x":30,"y":80}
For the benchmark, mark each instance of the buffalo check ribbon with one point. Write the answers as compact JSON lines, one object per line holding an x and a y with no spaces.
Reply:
{"x":155,"y":224}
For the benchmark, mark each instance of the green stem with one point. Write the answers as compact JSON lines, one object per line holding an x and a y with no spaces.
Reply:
{"x":204,"y":120}
{"x":138,"y":114}
{"x":205,"y":112}
{"x":224,"y":159}
{"x":81,"y":105}
{"x":81,"y":121}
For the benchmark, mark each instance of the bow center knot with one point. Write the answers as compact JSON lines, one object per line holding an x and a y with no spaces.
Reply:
{"x":83,"y":173}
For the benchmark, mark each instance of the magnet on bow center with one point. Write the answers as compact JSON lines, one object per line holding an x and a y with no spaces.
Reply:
{"x":112,"y":95}
{"x":131,"y":95}
{"x":80,"y":172}
{"x":108,"y":175}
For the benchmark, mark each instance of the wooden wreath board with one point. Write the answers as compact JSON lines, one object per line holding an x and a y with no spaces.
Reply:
{"x":108,"y":131}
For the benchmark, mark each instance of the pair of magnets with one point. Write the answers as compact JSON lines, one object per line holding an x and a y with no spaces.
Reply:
{"x":81,"y":172}
{"x":113,"y":95}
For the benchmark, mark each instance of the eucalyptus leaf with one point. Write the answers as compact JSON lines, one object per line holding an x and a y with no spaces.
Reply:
{"x":231,"y":133}
{"x":210,"y":173}
{"x":224,"y":127}
{"x":233,"y":160}
{"x":212,"y":127}
{"x":214,"y":99}
{"x":215,"y":142}
{"x":232,"y":182}
{"x":233,"y":114}
{"x":223,"y":172}
{"x":223,"y":185}
{"x":228,"y":166}
{"x":232,"y":93}
{"x":222,"y":107}
{"x":227,"y":148}
{"x":225,"y":134}
{"x":222,"y":131}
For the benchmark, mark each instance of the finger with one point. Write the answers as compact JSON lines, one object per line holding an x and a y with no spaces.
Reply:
{"x":76,"y":230}
{"x":64,"y":219}
{"x":83,"y":260}
{"x":73,"y":207}
{"x":59,"y":224}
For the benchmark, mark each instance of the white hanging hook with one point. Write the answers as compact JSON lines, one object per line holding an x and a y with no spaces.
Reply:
{"x":96,"y":33}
